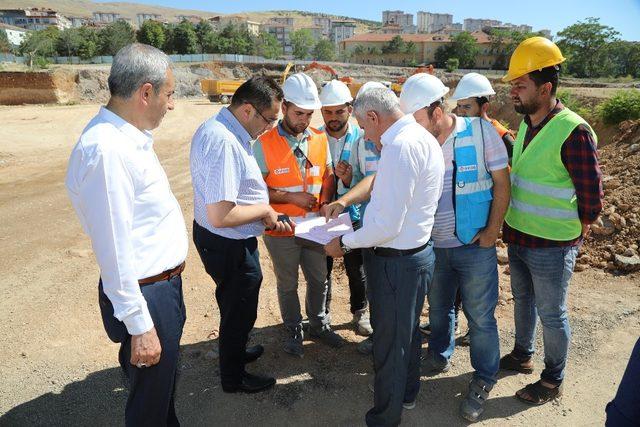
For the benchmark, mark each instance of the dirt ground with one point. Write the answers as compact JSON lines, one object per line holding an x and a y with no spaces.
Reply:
{"x":59,"y":368}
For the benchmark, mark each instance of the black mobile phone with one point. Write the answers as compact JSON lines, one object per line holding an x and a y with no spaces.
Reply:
{"x":284,"y":218}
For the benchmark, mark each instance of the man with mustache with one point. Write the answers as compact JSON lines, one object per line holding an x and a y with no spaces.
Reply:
{"x":123,"y":200}
{"x":296,"y":165}
{"x":353,"y":158}
{"x":556,"y":194}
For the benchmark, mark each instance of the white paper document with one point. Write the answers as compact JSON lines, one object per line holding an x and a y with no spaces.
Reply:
{"x":319,"y":231}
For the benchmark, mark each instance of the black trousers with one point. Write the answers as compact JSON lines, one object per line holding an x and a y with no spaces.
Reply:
{"x":234,"y":266}
{"x":353,"y":264}
{"x":152,"y":389}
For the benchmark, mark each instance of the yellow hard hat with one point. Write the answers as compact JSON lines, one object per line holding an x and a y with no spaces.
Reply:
{"x":532,"y":54}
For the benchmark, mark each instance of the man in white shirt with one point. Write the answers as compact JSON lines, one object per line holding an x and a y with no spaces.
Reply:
{"x":399,"y":260}
{"x":231,"y":204}
{"x":123,"y":200}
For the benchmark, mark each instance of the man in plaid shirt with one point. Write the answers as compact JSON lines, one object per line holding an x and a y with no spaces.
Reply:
{"x":556,"y":195}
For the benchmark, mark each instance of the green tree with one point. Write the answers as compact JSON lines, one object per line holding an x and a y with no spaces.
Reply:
{"x":463,"y":46}
{"x":395,"y":45}
{"x":267,"y":46}
{"x":205,"y":35}
{"x":324,"y":50}
{"x":5,"y":46}
{"x":151,"y":33}
{"x":359,"y":50}
{"x":40,"y":44}
{"x":410,"y":48}
{"x":302,"y":42}
{"x":584,"y":44}
{"x":452,"y":64}
{"x":69,"y":42}
{"x":620,"y":59}
{"x":185,"y":40}
{"x":114,"y":37}
{"x":503,"y":43}
{"x":89,"y":43}
{"x":168,"y":46}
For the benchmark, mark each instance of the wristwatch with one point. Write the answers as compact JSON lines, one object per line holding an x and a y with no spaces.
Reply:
{"x":346,"y":249}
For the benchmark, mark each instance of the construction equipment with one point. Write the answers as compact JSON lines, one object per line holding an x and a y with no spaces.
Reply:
{"x":286,"y":71}
{"x":423,"y":69}
{"x":220,"y":90}
{"x":318,"y":66}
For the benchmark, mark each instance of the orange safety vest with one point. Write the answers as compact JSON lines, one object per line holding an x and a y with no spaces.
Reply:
{"x":502,"y":131}
{"x":284,"y":173}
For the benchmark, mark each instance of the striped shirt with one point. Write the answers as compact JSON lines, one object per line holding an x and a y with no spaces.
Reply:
{"x":495,"y":158}
{"x":223,"y":168}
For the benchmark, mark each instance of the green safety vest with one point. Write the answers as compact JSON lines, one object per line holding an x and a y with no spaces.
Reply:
{"x":543,"y":198}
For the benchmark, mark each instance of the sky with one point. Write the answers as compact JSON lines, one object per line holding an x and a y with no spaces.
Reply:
{"x":623,"y":15}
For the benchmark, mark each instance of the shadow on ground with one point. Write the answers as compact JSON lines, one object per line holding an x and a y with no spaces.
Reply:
{"x":326,"y":387}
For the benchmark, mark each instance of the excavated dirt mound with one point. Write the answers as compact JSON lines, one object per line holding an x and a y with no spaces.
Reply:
{"x":615,"y":237}
{"x":59,"y":86}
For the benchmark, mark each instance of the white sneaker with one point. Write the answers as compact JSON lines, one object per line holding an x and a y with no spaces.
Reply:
{"x":409,"y":405}
{"x":362,"y":322}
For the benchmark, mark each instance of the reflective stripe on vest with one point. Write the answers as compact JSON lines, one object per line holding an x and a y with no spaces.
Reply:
{"x":543,"y":198}
{"x":472,"y":181}
{"x":284,"y":173}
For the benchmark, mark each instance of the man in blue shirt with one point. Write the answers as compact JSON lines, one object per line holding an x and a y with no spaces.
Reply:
{"x":231,"y":205}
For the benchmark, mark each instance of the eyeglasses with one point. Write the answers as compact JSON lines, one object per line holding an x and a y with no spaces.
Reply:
{"x":267,"y":121}
{"x":300,"y":155}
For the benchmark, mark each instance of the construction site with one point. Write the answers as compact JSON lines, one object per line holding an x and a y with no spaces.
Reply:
{"x":59,"y":368}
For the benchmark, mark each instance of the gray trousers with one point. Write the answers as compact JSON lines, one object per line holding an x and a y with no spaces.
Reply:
{"x":287,"y":256}
{"x":396,"y":287}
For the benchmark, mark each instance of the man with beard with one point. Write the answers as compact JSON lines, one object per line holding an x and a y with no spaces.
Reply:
{"x":295,"y":161}
{"x":467,"y":223}
{"x":350,"y":154}
{"x":556,"y":194}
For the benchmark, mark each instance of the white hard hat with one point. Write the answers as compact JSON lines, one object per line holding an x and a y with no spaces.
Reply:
{"x":370,"y":85}
{"x":419,"y":91}
{"x":335,"y":93}
{"x":473,"y":85}
{"x":300,"y":90}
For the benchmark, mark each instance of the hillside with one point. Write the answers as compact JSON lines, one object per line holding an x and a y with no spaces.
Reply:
{"x":86,"y":8}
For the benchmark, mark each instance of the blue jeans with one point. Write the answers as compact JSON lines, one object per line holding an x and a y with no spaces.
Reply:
{"x":396,"y":287}
{"x":540,"y":283}
{"x":624,"y":410}
{"x":474,"y":271}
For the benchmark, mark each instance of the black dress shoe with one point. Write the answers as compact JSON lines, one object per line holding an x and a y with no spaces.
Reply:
{"x":253,"y":353}
{"x":250,"y":384}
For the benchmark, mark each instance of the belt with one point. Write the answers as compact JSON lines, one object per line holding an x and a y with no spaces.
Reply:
{"x":391,"y":252}
{"x":165,"y":275}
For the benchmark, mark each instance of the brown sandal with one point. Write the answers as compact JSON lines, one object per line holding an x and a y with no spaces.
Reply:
{"x":539,"y":394}
{"x":510,"y":362}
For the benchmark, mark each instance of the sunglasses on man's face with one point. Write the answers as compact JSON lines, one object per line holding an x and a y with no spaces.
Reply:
{"x":300,"y":155}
